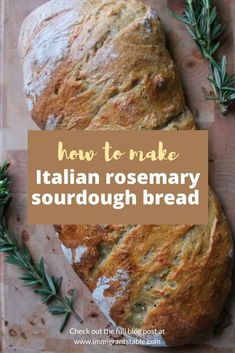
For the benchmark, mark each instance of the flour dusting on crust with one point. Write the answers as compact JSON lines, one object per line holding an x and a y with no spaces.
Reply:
{"x":68,"y":253}
{"x":79,"y":252}
{"x":106,"y":302}
{"x":74,"y":256}
{"x":46,"y":38}
{"x":51,"y":123}
{"x":151,"y":14}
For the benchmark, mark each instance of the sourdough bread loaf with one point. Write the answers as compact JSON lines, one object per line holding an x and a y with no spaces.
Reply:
{"x":174,"y":278}
{"x":99,"y":65}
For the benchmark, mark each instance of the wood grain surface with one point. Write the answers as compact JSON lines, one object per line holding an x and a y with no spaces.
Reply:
{"x":26,"y":325}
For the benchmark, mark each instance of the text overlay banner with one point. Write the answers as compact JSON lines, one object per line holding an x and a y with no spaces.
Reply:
{"x":118,"y":177}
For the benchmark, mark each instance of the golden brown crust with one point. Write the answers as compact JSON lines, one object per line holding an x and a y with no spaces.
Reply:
{"x":104,"y":65}
{"x":116,"y":72}
{"x":174,"y":278}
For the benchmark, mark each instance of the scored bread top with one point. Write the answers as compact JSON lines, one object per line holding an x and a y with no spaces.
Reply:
{"x":100,"y":65}
{"x":174,"y":278}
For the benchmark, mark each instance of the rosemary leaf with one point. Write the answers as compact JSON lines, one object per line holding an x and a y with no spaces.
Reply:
{"x":64,"y":322}
{"x":202,"y":22}
{"x":57,"y":310}
{"x":34,"y":274}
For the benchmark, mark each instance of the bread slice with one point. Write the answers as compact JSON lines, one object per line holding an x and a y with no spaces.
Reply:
{"x":103,"y":65}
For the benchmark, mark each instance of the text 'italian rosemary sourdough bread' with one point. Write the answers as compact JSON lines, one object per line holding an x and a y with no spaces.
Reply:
{"x":103,"y":65}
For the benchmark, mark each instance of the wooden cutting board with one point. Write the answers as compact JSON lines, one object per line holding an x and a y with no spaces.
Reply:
{"x":26,"y":325}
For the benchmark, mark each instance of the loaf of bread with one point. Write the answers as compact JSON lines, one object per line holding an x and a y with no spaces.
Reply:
{"x":100,"y":65}
{"x":103,"y":64}
{"x":174,"y":278}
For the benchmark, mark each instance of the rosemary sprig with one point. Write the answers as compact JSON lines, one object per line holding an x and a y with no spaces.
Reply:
{"x":4,"y":190}
{"x":201,"y":20}
{"x":34,"y":274}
